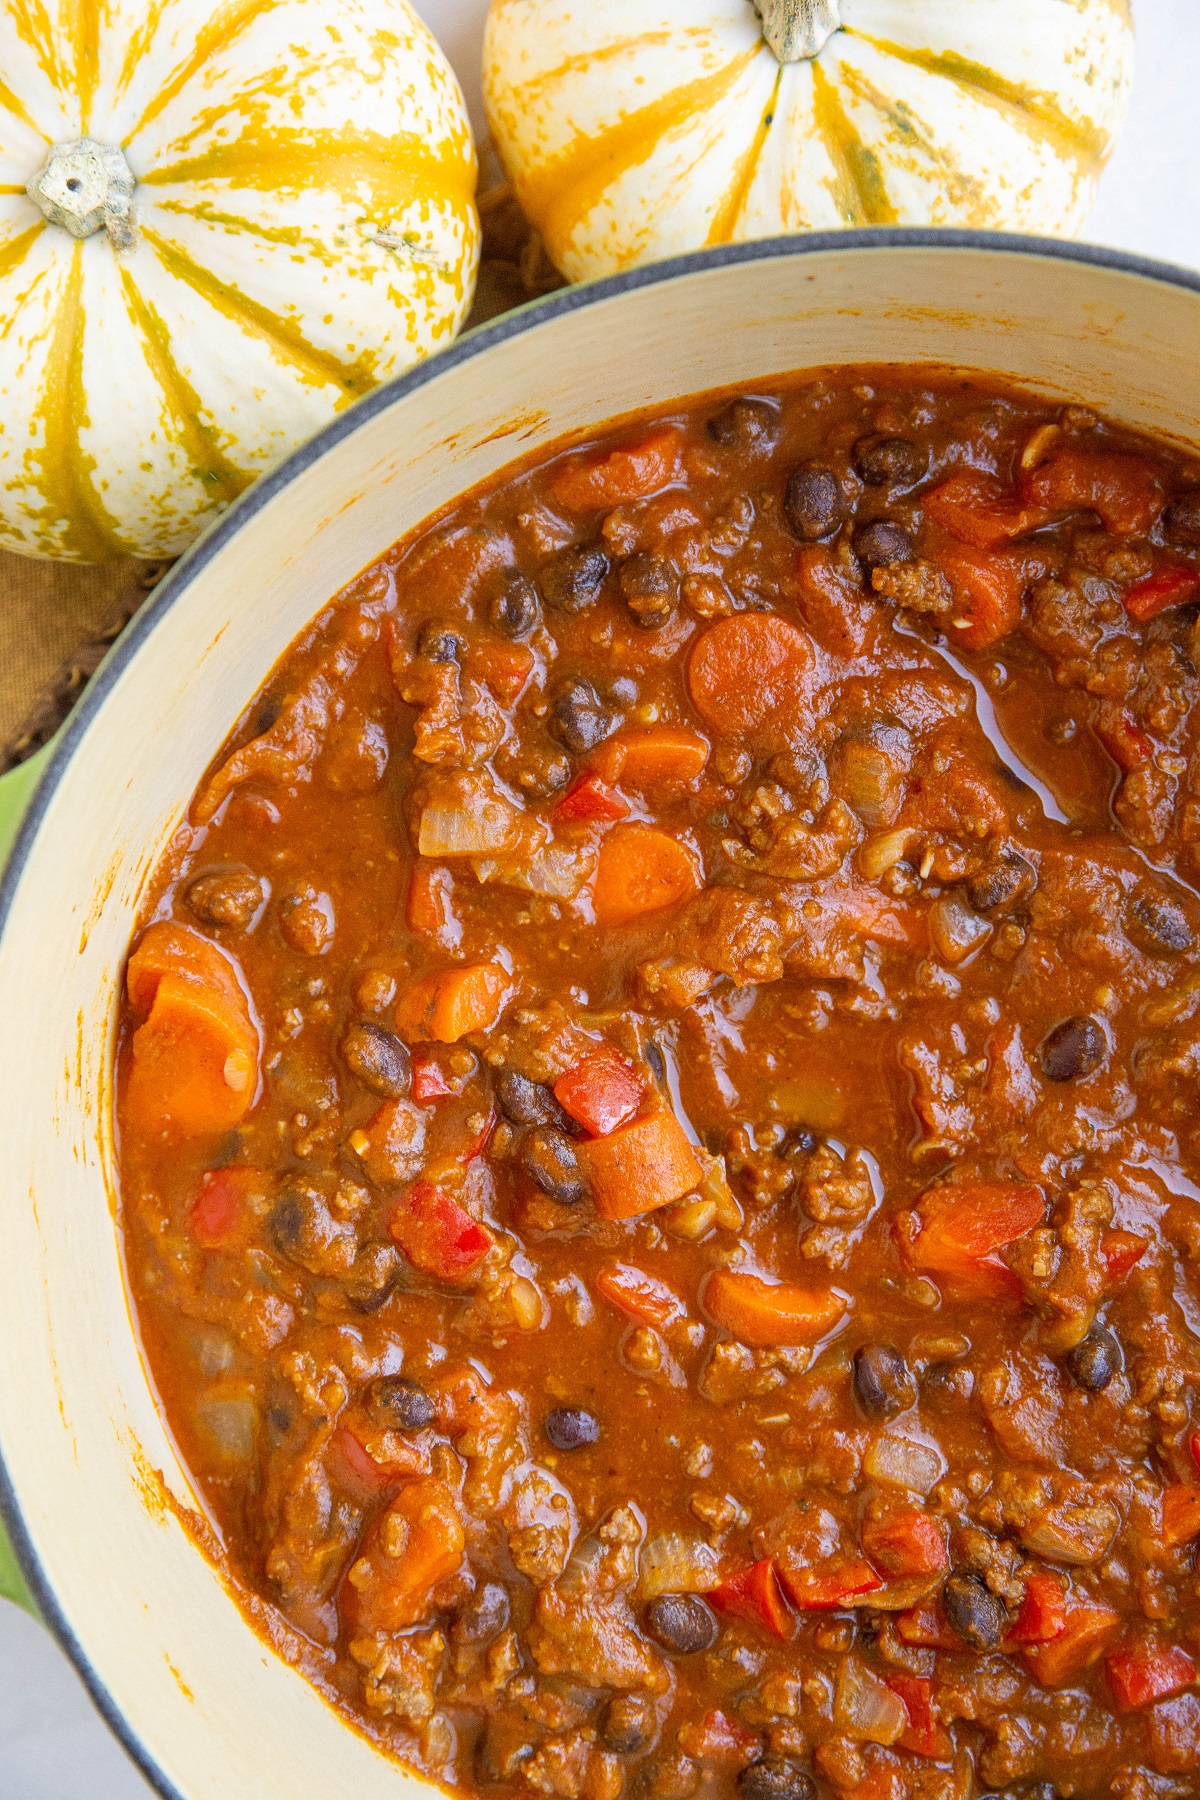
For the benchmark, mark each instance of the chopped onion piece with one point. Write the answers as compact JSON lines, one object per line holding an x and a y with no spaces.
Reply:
{"x":900,"y":1462}
{"x":468,"y":818}
{"x":865,"y":1708}
{"x":884,"y":851}
{"x":554,"y":870}
{"x":675,"y":1564}
{"x":228,"y":1425}
{"x":955,"y":929}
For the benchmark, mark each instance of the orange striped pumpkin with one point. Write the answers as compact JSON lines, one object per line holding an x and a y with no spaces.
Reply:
{"x":220,"y":222}
{"x":637,"y":129}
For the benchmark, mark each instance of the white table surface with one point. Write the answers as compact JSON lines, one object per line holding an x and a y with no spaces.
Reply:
{"x":52,"y":1744}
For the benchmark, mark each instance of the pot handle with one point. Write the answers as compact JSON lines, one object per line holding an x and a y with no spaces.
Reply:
{"x":15,"y":790}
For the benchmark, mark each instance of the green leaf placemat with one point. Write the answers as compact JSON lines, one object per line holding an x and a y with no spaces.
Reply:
{"x":15,"y":790}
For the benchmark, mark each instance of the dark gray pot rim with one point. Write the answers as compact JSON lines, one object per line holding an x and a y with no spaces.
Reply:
{"x":175,"y":584}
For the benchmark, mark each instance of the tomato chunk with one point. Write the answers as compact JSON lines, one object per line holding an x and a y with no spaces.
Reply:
{"x":1122,"y":1251}
{"x":755,"y":1594}
{"x":1087,"y":1630}
{"x":630,"y":472}
{"x":219,"y":1215}
{"x":771,"y":1315}
{"x":437,"y":1235}
{"x":600,"y":1092}
{"x":1140,"y":1676}
{"x":194,"y":1060}
{"x":505,"y":666}
{"x":977,"y":509}
{"x":925,"y":1734}
{"x":956,"y":1231}
{"x":826,"y":1590}
{"x":1167,"y":587}
{"x":1124,"y":490}
{"x":988,"y":587}
{"x":415,"y":1544}
{"x":429,"y":1081}
{"x":905,"y":1543}
{"x":640,"y":1166}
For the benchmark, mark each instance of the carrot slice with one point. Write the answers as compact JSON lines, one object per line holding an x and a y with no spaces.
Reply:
{"x":746,"y":670}
{"x":600,"y":1092}
{"x":827,"y":1590}
{"x":640,"y":870}
{"x":754,"y":1594}
{"x":416,"y":1543}
{"x":643,"y":1165}
{"x":1080,"y":1643}
{"x":194,"y":1066}
{"x":1180,"y":1514}
{"x":630,"y":472}
{"x":451,"y":1003}
{"x":639,"y":1296}
{"x":769,"y":1315}
{"x":659,"y":756}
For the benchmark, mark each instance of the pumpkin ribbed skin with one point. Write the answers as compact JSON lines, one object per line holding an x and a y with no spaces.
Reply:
{"x":638,"y":129}
{"x":305,"y":228}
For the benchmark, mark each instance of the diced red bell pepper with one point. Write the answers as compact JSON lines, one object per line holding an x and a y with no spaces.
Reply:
{"x":1121,"y":1252}
{"x":755,"y":1594}
{"x":905,"y":1543}
{"x":827,"y":1590}
{"x":956,"y":1230}
{"x":928,"y":1627}
{"x":1081,"y":1642}
{"x":218,"y":1215}
{"x":600,"y":1092}
{"x":639,"y":1296}
{"x":988,"y":587}
{"x":1146,"y":1673}
{"x":718,"y":1738}
{"x":438,"y":1236}
{"x":1180,"y":1514}
{"x":369,"y":1476}
{"x":1195,"y":1448}
{"x":1129,"y":746}
{"x":429,"y":1080}
{"x":588,"y":799}
{"x":1124,"y":490}
{"x":477,"y":1142}
{"x":925,"y":1735}
{"x":1042,"y":1614}
{"x":1167,"y":587}
{"x":978,"y":510}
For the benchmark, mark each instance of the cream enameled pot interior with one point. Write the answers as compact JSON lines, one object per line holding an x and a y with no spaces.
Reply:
{"x":210,"y":1710}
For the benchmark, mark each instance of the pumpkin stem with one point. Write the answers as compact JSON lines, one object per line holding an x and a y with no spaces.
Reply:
{"x":86,"y":187}
{"x":798,"y":29}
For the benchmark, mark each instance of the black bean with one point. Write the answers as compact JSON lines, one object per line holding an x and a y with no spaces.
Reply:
{"x":682,"y":1622}
{"x":548,"y":1158}
{"x":884,"y":461}
{"x":377,"y":1058}
{"x":374,"y":1274}
{"x":400,"y":1404}
{"x":882,"y":542}
{"x":581,"y":720}
{"x":440,"y":644}
{"x":1156,"y":925}
{"x":1002,"y":882}
{"x":515,"y":609}
{"x":775,"y":1778}
{"x":813,"y":501}
{"x":525,"y":1102}
{"x":744,"y":425}
{"x":1182,"y":519}
{"x":628,"y":1724}
{"x":883,"y":1383}
{"x":291,"y":1223}
{"x":573,"y":577}
{"x":1074,"y":1048}
{"x":227,"y":898}
{"x":650,"y":585}
{"x":1093,"y":1363}
{"x":571,"y":1427}
{"x":482,"y":1617}
{"x":974,"y":1611}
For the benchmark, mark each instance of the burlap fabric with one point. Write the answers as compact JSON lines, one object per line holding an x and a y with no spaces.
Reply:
{"x":57,"y":620}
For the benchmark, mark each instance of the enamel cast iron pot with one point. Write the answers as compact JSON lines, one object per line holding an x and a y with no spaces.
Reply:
{"x":201,"y":1701}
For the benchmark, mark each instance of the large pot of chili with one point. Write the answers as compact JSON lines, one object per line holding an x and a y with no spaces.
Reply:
{"x":210,"y":1690}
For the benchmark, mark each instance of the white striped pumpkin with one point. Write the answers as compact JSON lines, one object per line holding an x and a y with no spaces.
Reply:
{"x":637,"y":129}
{"x":302,"y":227}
